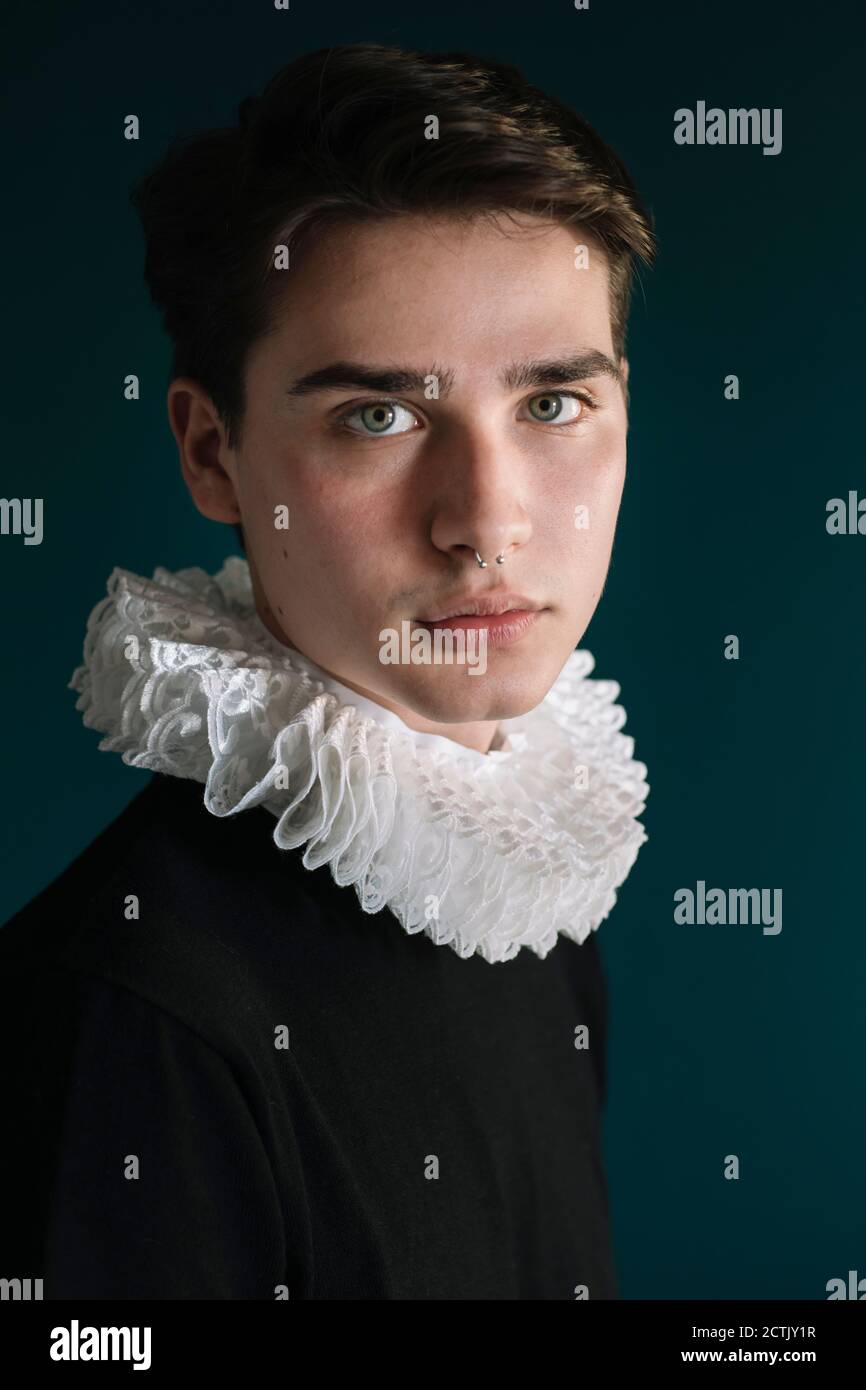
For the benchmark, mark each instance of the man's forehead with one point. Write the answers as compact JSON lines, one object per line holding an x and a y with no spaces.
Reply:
{"x":413,"y":260}
{"x":376,"y":310}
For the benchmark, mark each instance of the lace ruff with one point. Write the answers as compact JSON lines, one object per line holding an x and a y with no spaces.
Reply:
{"x":485,"y":854}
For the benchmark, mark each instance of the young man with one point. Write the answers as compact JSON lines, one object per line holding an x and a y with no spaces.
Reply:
{"x":327,"y":1013}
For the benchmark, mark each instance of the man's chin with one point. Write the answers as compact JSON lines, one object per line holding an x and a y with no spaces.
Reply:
{"x":462,"y":694}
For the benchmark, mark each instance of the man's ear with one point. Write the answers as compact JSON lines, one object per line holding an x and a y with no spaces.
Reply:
{"x":206,"y":461}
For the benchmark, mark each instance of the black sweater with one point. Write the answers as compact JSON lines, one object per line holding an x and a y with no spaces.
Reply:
{"x":430,"y":1130}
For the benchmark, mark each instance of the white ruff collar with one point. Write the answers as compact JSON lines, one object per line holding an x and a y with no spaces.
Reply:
{"x":483,"y":852}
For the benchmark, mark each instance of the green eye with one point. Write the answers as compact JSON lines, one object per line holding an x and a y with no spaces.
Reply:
{"x":377,"y":418}
{"x":546,"y":407}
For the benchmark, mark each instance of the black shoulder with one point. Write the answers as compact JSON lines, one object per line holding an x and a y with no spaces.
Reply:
{"x":141,"y":1162}
{"x":48,"y":921}
{"x":185,"y":908}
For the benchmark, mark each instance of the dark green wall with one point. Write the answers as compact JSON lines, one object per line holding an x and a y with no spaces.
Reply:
{"x":724,"y":1040}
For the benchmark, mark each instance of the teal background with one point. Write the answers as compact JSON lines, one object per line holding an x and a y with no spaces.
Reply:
{"x":723,"y":1040}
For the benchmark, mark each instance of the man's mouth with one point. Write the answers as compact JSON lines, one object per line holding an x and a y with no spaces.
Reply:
{"x":481,"y":606}
{"x":504,"y":617}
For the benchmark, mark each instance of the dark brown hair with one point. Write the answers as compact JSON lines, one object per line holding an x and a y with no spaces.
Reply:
{"x":341,"y":133}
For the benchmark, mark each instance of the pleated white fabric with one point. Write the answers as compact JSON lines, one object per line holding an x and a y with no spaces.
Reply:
{"x":484,"y":853}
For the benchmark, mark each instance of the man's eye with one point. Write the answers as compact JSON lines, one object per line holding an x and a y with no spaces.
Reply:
{"x":556,"y":407}
{"x":380,"y":417}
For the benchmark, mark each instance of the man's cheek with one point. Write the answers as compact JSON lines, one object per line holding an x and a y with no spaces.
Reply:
{"x":343,"y":515}
{"x":602,"y":486}
{"x":582,"y":520}
{"x":305,"y":524}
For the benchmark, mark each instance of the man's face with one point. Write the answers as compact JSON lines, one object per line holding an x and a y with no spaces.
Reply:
{"x":392,"y":491}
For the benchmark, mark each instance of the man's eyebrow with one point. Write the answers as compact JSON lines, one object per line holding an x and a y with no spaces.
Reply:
{"x":560,"y":370}
{"x":347,"y":376}
{"x":390,"y":381}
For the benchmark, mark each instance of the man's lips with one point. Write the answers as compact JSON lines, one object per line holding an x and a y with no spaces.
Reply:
{"x":504,"y":618}
{"x":495,"y":622}
{"x":476,"y":611}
